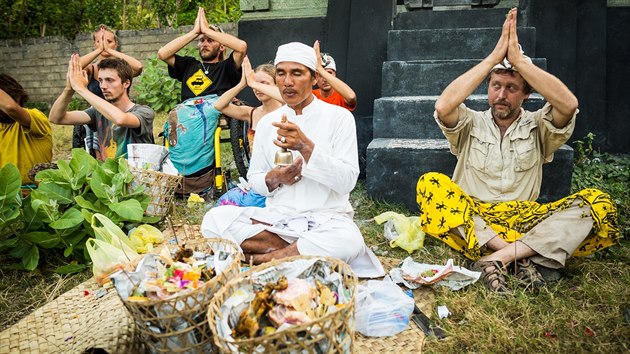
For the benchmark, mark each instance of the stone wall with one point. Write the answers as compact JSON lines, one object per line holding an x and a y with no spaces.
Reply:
{"x":40,"y":64}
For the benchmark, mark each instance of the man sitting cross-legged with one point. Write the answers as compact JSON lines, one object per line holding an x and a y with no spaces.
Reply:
{"x":307,"y":209}
{"x":490,"y":203}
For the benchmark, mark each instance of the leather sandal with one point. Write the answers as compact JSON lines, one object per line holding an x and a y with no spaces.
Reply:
{"x":492,"y":274}
{"x":527,"y":274}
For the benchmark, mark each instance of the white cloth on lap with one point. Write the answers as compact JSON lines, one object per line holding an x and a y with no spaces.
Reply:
{"x":316,"y":235}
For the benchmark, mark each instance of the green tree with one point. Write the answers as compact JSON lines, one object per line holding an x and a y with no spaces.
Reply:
{"x":34,"y":18}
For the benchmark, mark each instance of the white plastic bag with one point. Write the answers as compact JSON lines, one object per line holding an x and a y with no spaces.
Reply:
{"x":382,"y":308}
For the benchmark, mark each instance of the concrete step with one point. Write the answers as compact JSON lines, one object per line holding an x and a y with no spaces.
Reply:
{"x":455,"y":43}
{"x":451,"y":19}
{"x":411,"y":117}
{"x":429,"y":77}
{"x":394,"y":166}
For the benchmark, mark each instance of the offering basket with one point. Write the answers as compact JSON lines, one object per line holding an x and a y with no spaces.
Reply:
{"x":331,"y":333}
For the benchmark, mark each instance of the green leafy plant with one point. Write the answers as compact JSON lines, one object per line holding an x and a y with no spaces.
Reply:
{"x":42,"y":106}
{"x":155,"y":88}
{"x":57,"y":215}
{"x":604,"y":171}
{"x":78,"y":104}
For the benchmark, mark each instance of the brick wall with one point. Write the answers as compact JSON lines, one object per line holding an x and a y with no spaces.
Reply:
{"x":40,"y":64}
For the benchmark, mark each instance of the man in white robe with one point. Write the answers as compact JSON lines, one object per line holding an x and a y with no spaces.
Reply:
{"x":307,"y":209}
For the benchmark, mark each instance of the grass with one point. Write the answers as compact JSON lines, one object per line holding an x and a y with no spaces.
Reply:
{"x":587,"y":310}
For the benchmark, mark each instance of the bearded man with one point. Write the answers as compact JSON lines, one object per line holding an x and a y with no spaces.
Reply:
{"x":488,"y":211}
{"x":211,"y":75}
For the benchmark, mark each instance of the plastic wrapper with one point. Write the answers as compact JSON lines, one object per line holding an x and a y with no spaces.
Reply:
{"x":413,"y":274}
{"x":144,"y":236}
{"x":242,"y":195}
{"x":147,"y":156}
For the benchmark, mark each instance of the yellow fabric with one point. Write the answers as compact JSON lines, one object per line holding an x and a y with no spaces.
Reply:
{"x":445,"y":206}
{"x":25,"y":147}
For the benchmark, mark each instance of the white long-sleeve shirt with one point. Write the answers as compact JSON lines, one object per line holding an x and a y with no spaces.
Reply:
{"x":331,"y":172}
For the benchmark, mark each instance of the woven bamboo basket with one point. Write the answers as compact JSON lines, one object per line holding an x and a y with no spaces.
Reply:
{"x":332,"y":333}
{"x":159,"y":186}
{"x":179,"y":325}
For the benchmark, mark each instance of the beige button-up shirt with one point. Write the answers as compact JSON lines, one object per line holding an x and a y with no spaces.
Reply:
{"x":492,"y":169}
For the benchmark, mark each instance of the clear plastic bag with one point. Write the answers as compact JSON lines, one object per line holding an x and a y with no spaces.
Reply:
{"x":382,"y":308}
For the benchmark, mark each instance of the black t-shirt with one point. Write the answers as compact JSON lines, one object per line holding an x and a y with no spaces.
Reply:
{"x":94,"y":86}
{"x":196,"y":82}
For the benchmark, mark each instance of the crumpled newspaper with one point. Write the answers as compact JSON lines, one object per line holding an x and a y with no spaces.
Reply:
{"x":410,"y":273}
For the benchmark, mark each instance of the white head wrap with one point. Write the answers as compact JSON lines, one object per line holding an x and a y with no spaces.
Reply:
{"x":328,"y":62}
{"x":506,"y":65}
{"x":298,"y":53}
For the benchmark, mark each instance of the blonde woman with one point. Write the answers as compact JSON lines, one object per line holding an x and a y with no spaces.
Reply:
{"x":263,"y":83}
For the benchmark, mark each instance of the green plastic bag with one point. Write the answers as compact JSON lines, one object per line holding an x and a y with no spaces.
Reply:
{"x":407,"y":233}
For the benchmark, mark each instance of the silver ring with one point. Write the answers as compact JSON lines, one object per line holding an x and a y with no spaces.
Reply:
{"x":296,"y":178}
{"x":283,"y":139}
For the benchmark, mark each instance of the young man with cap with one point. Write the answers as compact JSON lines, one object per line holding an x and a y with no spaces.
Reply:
{"x":307,"y":210}
{"x":116,"y":120}
{"x":488,"y":210}
{"x":331,"y":89}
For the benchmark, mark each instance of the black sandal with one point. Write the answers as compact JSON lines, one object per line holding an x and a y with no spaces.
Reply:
{"x":493,"y":275}
{"x":527,"y":274}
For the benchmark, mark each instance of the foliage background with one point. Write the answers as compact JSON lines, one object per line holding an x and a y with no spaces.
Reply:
{"x":36,"y":18}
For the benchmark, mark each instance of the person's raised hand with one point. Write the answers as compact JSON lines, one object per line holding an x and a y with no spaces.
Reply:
{"x":500,"y":50}
{"x":514,"y":53}
{"x":203,"y":21}
{"x":243,"y":81}
{"x":197,"y":26}
{"x":104,"y":46}
{"x":68,"y":74}
{"x":99,"y":39}
{"x":318,"y":55}
{"x":77,"y":77}
{"x":291,"y":137}
{"x":248,"y":71}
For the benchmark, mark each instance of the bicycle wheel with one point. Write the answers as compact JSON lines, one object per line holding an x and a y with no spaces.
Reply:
{"x":240,"y":145}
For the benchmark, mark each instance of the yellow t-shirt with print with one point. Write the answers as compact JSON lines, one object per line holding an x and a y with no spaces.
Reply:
{"x":25,"y":147}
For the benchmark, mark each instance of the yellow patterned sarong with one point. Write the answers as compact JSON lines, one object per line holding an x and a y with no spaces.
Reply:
{"x":445,"y":206}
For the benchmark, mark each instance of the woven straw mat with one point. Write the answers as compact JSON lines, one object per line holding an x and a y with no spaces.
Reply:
{"x":75,"y":322}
